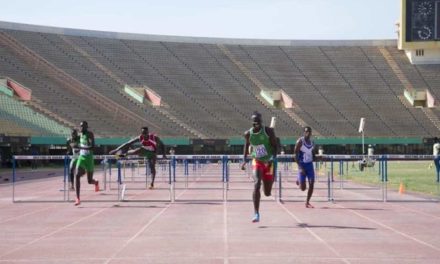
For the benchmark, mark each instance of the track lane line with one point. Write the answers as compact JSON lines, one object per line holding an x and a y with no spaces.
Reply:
{"x":316,"y":236}
{"x":391,"y":229}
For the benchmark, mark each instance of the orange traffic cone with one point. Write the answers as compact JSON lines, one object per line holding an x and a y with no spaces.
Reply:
{"x":402,"y":188}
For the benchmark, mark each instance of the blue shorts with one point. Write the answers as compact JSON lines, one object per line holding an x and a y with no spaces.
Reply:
{"x":309,"y":172}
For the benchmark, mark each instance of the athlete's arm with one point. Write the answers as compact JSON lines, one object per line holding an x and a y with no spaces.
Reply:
{"x":273,"y":140}
{"x":69,"y":148}
{"x":92,"y":140}
{"x":298,"y":146}
{"x":245,"y":149}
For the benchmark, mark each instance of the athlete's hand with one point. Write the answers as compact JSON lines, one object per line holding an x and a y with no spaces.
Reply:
{"x":301,"y":171}
{"x":243,"y":166}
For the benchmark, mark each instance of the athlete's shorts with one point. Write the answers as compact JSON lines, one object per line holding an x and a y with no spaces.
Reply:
{"x":73,"y":161}
{"x":309,"y":172}
{"x":85,"y":162}
{"x":148,"y":154}
{"x":265,"y":167}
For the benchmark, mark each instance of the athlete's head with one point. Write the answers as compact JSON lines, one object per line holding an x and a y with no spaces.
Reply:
{"x":144,"y":131}
{"x":256,"y":119}
{"x":84,"y":126}
{"x":74,"y":133}
{"x":307,"y":132}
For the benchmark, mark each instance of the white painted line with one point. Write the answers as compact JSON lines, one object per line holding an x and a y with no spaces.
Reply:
{"x":392,"y":229}
{"x":113,"y":257}
{"x":56,"y":231}
{"x":314,"y":234}
{"x":52,"y":233}
{"x":137,"y":234}
{"x":27,"y":214}
{"x":225,"y":233}
{"x":415,"y":210}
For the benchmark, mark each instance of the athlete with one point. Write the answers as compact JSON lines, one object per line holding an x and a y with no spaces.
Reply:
{"x":435,"y":153}
{"x":85,"y":160}
{"x":149,"y":145}
{"x":263,"y":141}
{"x":73,"y":149}
{"x":304,"y":156}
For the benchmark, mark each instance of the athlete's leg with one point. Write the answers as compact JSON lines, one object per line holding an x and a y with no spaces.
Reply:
{"x":90,"y":167}
{"x":72,"y":168}
{"x":310,"y":193}
{"x":437,"y":164}
{"x":90,"y":179}
{"x":310,"y":172}
{"x":268,"y":180}
{"x":256,"y":195}
{"x":119,"y":151}
{"x":79,"y":172}
{"x":152,"y":165}
{"x":135,"y":151}
{"x":267,"y":185}
{"x":302,"y":181}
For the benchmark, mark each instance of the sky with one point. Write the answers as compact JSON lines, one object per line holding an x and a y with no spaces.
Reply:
{"x":254,"y":19}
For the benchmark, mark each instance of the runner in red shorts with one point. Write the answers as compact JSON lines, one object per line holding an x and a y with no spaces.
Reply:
{"x":264,"y":150}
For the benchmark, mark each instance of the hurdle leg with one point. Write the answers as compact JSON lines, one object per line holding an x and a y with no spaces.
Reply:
{"x":13,"y":179}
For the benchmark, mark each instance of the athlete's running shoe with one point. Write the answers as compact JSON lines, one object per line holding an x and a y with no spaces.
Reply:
{"x":256,"y":218}
{"x":96,"y":186}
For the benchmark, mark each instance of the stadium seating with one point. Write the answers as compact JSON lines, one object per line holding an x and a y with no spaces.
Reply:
{"x":26,"y":121}
{"x":210,"y":90}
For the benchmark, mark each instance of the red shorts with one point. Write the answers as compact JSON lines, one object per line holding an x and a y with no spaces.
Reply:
{"x":265,"y":167}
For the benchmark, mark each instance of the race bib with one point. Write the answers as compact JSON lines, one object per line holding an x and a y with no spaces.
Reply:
{"x":260,"y":151}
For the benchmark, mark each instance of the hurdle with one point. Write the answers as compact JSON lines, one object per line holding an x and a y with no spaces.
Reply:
{"x":383,"y":179}
{"x":220,"y":173}
{"x":124,"y":181}
{"x":60,"y":173}
{"x":200,"y":173}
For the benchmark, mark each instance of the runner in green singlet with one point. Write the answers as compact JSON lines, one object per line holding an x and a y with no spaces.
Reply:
{"x":264,"y":151}
{"x":85,"y":162}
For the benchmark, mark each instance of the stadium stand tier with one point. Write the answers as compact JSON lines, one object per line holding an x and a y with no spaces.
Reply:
{"x":210,"y":87}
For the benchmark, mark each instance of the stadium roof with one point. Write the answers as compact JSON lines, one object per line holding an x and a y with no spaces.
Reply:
{"x":231,"y":41}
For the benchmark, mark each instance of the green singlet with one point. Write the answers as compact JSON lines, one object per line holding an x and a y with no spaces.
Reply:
{"x":85,"y":159}
{"x":261,"y":147}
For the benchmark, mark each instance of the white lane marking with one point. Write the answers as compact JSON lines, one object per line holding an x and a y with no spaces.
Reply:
{"x":392,"y":229}
{"x":314,"y":234}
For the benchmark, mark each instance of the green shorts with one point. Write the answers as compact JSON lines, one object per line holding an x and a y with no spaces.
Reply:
{"x":148,"y":154}
{"x":85,"y":162}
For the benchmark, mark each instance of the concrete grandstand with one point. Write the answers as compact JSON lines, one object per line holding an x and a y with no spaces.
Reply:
{"x":208,"y":88}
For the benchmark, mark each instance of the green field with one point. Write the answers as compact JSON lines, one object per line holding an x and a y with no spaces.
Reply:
{"x":416,"y":176}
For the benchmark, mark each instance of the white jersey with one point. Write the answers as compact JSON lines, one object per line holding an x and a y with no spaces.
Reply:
{"x":436,"y":149}
{"x":75,"y":152}
{"x":306,"y":151}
